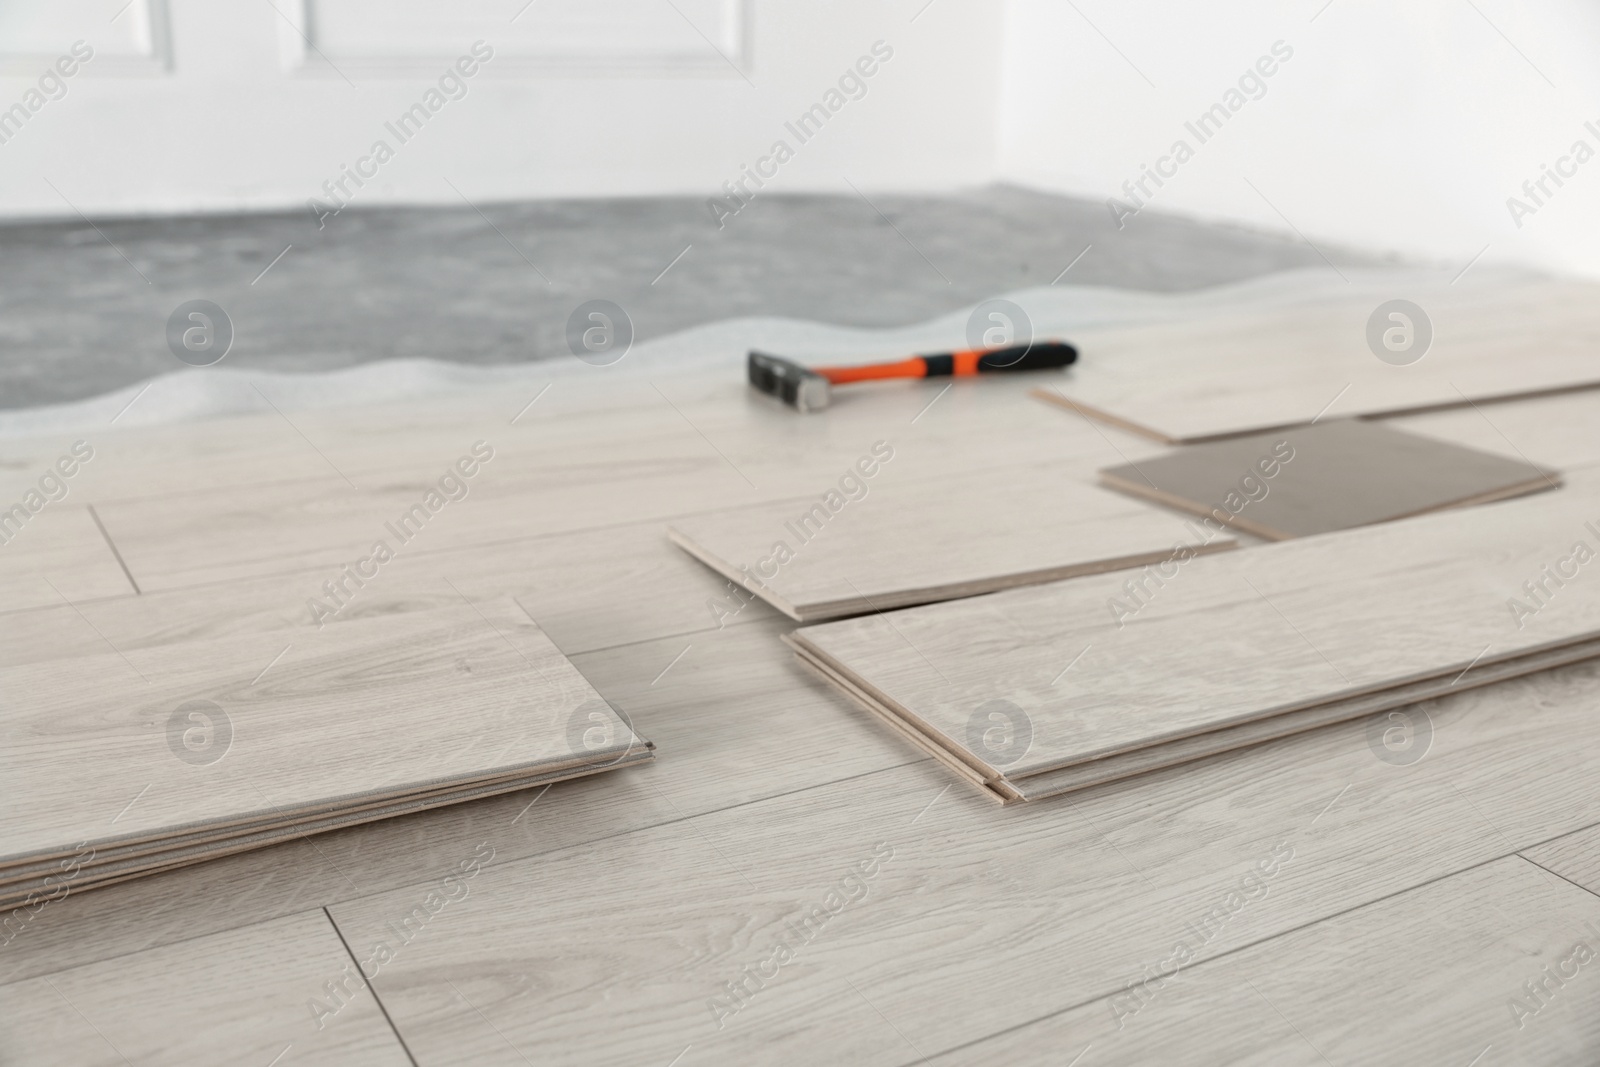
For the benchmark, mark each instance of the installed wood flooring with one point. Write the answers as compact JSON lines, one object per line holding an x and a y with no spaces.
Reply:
{"x":1244,"y":368}
{"x":789,"y":881}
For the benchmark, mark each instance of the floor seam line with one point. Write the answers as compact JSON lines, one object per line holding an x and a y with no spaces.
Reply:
{"x":363,"y":896}
{"x":370,"y":987}
{"x":658,"y":825}
{"x":1252,"y":944}
{"x":1558,"y":874}
{"x":1027,"y":1022}
{"x":95,"y":515}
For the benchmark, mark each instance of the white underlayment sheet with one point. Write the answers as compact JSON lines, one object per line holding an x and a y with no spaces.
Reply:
{"x":189,"y":394}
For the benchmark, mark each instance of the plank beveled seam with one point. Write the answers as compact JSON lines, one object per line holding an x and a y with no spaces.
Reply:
{"x":1550,"y":870}
{"x":1309,"y":923}
{"x":115,"y":552}
{"x":422,"y":553}
{"x":398,"y":1036}
{"x":1515,"y":850}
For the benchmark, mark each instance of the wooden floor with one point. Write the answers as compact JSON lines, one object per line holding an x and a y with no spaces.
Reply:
{"x":789,"y":881}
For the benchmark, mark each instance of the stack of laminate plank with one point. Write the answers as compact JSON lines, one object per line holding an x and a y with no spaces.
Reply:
{"x":123,"y":761}
{"x":1042,"y":690}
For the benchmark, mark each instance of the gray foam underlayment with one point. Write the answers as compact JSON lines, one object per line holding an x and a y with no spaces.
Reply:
{"x":392,"y":304}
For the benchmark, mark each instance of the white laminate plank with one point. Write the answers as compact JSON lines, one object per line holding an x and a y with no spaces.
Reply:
{"x":1575,"y":857}
{"x":242,"y":996}
{"x":1262,"y":632}
{"x":1014,"y":913}
{"x":877,"y":542}
{"x":1011,"y":913}
{"x":700,"y":444}
{"x":1237,"y":373}
{"x":576,"y":427}
{"x":1435,"y":975}
{"x":1555,"y":430}
{"x":587,"y":590}
{"x":53,"y":880}
{"x":1213,"y":742}
{"x":58,"y":555}
{"x":735,"y":721}
{"x":373,"y":709}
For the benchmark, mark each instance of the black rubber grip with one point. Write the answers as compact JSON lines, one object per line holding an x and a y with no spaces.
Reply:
{"x":1041,"y":355}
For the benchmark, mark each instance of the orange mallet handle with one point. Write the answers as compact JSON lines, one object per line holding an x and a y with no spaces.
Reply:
{"x":1039,"y":356}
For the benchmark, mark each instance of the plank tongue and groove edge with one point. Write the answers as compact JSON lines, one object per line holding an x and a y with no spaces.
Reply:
{"x":1099,"y":667}
{"x":386,"y":713}
{"x":893,"y":542}
{"x":1247,"y":371}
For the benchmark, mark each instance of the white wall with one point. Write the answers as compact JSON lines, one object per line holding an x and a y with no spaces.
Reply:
{"x":221,"y":104}
{"x":1393,"y":126}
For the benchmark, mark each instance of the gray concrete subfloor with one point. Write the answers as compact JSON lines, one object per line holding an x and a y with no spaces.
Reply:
{"x":84,"y":304}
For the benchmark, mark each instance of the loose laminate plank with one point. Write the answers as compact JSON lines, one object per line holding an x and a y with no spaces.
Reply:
{"x":1275,"y":629}
{"x":875,"y":542}
{"x":1317,"y":479}
{"x":1213,"y":742}
{"x":473,"y":692}
{"x":1014,"y":913}
{"x":693,"y":696}
{"x":112,"y":866}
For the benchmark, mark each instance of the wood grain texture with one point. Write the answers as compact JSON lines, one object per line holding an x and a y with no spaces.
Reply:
{"x":1548,"y":430}
{"x":616,"y":906}
{"x":1441,"y":972}
{"x":471,"y":693}
{"x":587,"y":590}
{"x":235,"y":997}
{"x":58,"y":556}
{"x":52,"y":881}
{"x":877,"y":542}
{"x":692,"y":696}
{"x":692,"y":444}
{"x":1287,"y":626}
{"x":1317,"y":479}
{"x":1012,"y":913}
{"x":1575,"y":857}
{"x":580,"y":427}
{"x":1212,"y":742}
{"x":1234,"y":373}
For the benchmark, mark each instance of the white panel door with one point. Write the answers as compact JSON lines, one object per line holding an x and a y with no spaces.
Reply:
{"x":527,"y":33}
